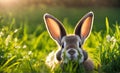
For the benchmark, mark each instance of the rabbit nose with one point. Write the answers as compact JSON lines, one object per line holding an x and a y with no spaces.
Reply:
{"x":71,"y":52}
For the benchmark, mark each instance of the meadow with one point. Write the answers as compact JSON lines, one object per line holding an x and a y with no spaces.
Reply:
{"x":25,"y":42}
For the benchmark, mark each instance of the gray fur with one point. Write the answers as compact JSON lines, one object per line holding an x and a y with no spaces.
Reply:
{"x":71,"y":45}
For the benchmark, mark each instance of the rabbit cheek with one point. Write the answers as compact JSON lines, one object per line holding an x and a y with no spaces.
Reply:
{"x":58,"y":55}
{"x":85,"y":55}
{"x":80,"y":56}
{"x":70,"y":54}
{"x":64,"y":56}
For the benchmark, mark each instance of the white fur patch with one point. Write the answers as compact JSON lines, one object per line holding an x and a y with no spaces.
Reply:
{"x":51,"y":60}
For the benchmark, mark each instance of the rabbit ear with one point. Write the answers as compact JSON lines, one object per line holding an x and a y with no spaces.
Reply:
{"x":84,"y":26}
{"x":54,"y":27}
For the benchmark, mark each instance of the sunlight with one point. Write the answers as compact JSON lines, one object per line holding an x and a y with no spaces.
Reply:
{"x":8,"y":2}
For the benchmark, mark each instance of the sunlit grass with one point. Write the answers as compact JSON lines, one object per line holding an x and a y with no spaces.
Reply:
{"x":28,"y":52}
{"x":24,"y":48}
{"x":19,"y":52}
{"x":105,"y":51}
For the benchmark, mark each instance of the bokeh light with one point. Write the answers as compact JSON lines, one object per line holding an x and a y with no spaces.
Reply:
{"x":7,"y":3}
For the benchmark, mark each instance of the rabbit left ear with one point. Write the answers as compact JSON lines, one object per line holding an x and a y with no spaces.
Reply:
{"x":55,"y":28}
{"x":84,"y":26}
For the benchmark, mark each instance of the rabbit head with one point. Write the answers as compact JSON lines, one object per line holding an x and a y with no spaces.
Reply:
{"x":70,"y":45}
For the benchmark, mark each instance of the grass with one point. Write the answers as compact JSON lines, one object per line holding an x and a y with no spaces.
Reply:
{"x":70,"y":67}
{"x":108,"y":49}
{"x":24,"y":40}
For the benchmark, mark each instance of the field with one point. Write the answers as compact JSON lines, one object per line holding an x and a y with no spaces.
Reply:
{"x":25,"y":42}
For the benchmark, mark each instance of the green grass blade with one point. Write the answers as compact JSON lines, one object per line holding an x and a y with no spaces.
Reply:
{"x":8,"y":61}
{"x":107,"y":25}
{"x":16,"y":63}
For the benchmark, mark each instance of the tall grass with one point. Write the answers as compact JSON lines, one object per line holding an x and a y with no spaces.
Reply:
{"x":110,"y":50}
{"x":19,"y":51}
{"x":106,"y":50}
{"x":27,"y":53}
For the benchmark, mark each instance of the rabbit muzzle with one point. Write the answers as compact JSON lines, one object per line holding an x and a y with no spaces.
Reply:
{"x":73,"y":55}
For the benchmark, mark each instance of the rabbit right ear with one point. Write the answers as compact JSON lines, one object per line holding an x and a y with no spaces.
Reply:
{"x":84,"y":26}
{"x":54,"y":27}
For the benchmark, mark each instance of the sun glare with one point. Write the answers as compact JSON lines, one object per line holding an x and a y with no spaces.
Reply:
{"x":8,"y":2}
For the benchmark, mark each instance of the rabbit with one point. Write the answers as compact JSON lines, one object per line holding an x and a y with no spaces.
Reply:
{"x":70,"y":46}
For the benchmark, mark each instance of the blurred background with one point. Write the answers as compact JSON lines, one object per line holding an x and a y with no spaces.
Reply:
{"x":32,"y":11}
{"x":66,"y":3}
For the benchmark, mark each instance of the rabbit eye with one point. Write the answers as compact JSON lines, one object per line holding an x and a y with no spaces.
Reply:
{"x":62,"y":45}
{"x":79,"y":44}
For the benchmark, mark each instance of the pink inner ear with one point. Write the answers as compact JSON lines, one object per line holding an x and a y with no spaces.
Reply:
{"x":53,"y":28}
{"x":86,"y":27}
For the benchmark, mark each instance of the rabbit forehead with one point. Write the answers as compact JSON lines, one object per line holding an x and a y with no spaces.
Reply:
{"x":71,"y":39}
